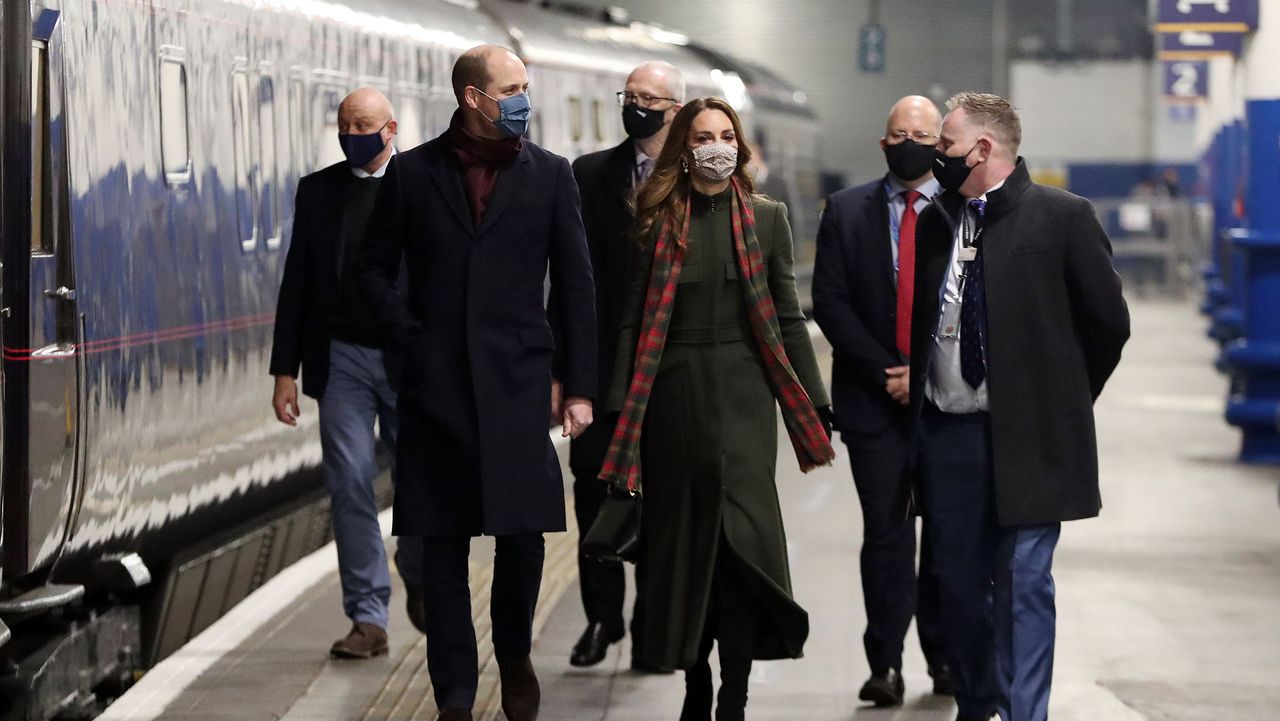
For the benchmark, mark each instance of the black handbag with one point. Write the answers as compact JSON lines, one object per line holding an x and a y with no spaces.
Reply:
{"x":615,"y":534}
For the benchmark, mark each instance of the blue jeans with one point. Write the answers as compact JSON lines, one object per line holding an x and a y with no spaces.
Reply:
{"x":996,"y":582}
{"x":356,"y":394}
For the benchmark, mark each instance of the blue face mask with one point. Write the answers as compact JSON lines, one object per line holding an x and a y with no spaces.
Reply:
{"x":362,"y":149}
{"x":513,"y":113}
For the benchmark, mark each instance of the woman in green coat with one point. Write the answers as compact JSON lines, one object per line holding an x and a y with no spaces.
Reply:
{"x":713,"y":342}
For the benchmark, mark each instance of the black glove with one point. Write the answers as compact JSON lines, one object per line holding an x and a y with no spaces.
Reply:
{"x":828,"y":418}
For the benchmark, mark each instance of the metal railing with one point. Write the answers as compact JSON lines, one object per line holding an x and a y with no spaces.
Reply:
{"x":1159,"y":242}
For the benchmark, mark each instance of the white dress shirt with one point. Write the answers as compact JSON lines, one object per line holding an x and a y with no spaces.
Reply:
{"x":946,"y":386}
{"x":898,"y":206}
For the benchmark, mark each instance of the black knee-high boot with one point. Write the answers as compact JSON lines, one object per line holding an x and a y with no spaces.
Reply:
{"x":697,"y":681}
{"x":736,"y":636}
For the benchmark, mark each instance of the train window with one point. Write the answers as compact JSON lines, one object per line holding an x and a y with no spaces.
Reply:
{"x":329,"y":150}
{"x":175,"y":150}
{"x":300,"y":160}
{"x":268,"y":171}
{"x":243,"y":155}
{"x":598,"y":119}
{"x":409,"y":122}
{"x":575,"y":118}
{"x":41,"y":161}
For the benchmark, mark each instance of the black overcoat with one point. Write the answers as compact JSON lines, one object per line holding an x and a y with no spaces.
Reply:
{"x":1056,"y":324}
{"x":605,"y":180}
{"x":311,"y":284}
{"x":474,"y":454}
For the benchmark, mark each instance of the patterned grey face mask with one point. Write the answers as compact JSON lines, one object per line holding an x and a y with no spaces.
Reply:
{"x":715,"y":162}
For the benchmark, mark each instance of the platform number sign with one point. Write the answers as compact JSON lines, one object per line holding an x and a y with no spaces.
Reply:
{"x":871,"y":48}
{"x":1208,"y":14}
{"x":1186,"y":79}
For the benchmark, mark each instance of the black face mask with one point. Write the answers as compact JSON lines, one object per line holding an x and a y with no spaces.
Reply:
{"x":641,"y":123}
{"x":950,"y":171}
{"x":909,"y":160}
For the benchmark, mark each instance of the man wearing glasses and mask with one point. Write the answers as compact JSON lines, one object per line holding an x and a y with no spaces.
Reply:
{"x":862,"y":298}
{"x":607,"y":179}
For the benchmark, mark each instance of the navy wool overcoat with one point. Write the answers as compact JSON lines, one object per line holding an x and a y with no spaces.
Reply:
{"x":474,"y":454}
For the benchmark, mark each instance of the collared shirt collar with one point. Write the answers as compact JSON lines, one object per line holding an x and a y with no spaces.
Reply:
{"x":381,"y":171}
{"x":991,"y":190}
{"x":894,"y":187}
{"x":640,"y":156}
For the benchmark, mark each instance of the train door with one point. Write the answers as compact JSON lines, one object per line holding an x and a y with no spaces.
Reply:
{"x":50,"y":352}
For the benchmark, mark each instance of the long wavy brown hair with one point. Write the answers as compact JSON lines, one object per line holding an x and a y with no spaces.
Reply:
{"x":665,"y":195}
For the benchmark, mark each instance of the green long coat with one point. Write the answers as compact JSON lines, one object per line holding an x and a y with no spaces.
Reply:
{"x":709,"y":441}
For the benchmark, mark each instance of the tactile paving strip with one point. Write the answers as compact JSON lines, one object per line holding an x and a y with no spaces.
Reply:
{"x":406,"y":693}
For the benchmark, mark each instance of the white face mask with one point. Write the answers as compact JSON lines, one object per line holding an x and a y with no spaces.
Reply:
{"x":715,"y":162}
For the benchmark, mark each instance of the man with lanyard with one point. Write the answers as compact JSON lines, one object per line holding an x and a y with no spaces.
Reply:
{"x":1018,"y":321}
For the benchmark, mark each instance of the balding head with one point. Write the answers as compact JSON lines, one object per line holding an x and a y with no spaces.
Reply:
{"x":364,"y":111}
{"x":917,"y":116}
{"x":661,"y":78}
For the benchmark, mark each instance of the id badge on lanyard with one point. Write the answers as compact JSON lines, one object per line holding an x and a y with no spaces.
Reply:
{"x":949,"y":318}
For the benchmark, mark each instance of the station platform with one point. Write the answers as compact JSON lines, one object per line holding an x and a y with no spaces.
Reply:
{"x":1168,"y":604}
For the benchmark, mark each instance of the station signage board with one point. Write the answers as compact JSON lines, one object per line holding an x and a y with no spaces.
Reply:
{"x":1237,"y":16}
{"x":1199,"y":45}
{"x":871,"y":48}
{"x":1186,"y":80}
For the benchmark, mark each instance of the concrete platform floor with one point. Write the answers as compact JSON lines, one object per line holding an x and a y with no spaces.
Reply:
{"x":1169,"y":603}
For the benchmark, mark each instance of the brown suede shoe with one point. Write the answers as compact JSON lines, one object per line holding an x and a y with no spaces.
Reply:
{"x":454,"y":714}
{"x":364,"y":641}
{"x":521,"y":694}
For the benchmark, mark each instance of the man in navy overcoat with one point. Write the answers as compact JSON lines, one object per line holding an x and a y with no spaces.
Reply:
{"x":480,"y":215}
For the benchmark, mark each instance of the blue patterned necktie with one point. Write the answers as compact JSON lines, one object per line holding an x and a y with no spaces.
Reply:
{"x":973,"y":309}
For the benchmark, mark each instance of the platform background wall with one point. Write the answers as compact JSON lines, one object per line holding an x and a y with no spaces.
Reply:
{"x":933,"y":47}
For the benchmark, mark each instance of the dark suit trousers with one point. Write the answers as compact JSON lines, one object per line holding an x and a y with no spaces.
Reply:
{"x":997,"y":586}
{"x":890,"y":587}
{"x":603,"y":583}
{"x":452,"y":658}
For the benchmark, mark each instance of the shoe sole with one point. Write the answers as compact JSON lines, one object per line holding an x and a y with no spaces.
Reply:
{"x":880,"y":700}
{"x":353,"y":656}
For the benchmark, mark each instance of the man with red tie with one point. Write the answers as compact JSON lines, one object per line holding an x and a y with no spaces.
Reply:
{"x":862,"y":298}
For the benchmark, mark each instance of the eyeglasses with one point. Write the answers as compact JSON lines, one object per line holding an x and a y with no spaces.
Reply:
{"x":918,"y":136}
{"x":646,"y":101}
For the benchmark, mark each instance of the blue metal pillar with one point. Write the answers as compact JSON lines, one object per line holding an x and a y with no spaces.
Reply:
{"x":1254,"y":358}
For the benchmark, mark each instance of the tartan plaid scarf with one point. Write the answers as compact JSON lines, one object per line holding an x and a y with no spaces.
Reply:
{"x":812,"y":447}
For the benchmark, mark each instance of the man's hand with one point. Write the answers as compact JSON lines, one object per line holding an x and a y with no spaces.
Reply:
{"x":577,"y":416}
{"x":285,"y":401}
{"x":557,"y":399}
{"x":898,"y":384}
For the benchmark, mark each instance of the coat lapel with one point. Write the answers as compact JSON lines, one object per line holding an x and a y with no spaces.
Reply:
{"x":876,"y":211}
{"x":448,"y":179}
{"x":331,"y":219}
{"x":510,"y":179}
{"x":620,"y":169}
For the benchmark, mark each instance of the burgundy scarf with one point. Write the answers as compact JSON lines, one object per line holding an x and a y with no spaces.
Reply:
{"x":812,"y":447}
{"x":481,"y":159}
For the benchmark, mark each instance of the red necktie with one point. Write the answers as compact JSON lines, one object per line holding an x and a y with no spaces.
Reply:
{"x":906,"y":271}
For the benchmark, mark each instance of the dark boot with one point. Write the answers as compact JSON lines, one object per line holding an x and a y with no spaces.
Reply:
{"x":364,"y":640}
{"x":521,"y":694}
{"x":731,"y":702}
{"x":697,"y":682}
{"x":454,"y":714}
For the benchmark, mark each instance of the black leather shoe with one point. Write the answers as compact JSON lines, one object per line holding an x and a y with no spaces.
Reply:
{"x":593,"y":646}
{"x":942,"y":684}
{"x":966,"y":718}
{"x":413,"y":606}
{"x":883,"y":689}
{"x":639,"y":666}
